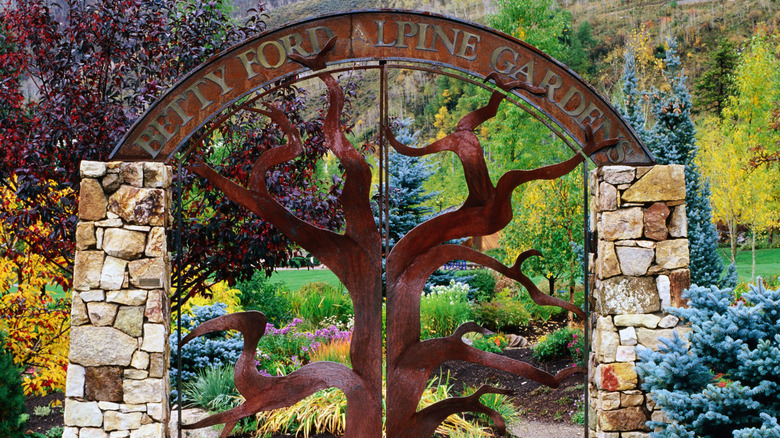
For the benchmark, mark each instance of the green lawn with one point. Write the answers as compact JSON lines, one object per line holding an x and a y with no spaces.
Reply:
{"x":767,"y":262}
{"x":295,"y":278}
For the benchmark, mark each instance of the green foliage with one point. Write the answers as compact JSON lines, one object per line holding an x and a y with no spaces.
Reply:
{"x":12,"y":422}
{"x":492,"y":344}
{"x":556,"y":344}
{"x":258,"y":293}
{"x":722,"y":379}
{"x":502,"y":313}
{"x":482,"y":285}
{"x":213,"y":389}
{"x":444,"y":309}
{"x":537,"y":312}
{"x":317,"y":302}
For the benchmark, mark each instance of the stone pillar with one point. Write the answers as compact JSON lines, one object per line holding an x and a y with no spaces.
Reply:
{"x":117,"y":383}
{"x":640,"y":268}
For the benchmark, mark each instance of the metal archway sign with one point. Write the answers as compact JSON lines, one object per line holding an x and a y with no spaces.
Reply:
{"x":380,"y":35}
{"x":355,"y":255}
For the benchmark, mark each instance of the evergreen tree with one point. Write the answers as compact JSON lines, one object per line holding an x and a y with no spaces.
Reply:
{"x":12,"y":423}
{"x":672,"y":139}
{"x":717,"y":83}
{"x":725,"y":383}
{"x":632,"y":108}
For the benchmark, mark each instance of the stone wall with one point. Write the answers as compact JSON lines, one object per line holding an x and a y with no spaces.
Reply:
{"x":640,"y":267}
{"x":117,"y":383}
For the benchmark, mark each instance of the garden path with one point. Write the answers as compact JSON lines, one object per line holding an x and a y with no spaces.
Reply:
{"x":539,"y":429}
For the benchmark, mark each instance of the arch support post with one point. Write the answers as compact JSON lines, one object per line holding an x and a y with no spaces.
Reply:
{"x":117,"y":384}
{"x":639,"y":269}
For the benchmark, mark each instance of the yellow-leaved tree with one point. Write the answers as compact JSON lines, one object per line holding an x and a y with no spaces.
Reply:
{"x":743,"y":195}
{"x":34,"y":310}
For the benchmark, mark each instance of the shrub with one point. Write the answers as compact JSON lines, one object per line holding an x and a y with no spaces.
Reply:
{"x":556,"y":344}
{"x":334,"y":351}
{"x":502,"y":313}
{"x":281,"y":351}
{"x":258,"y":293}
{"x":213,"y":389}
{"x":210,"y":350}
{"x":12,"y":411}
{"x":492,"y":344}
{"x":316,"y":302}
{"x":444,"y":309}
{"x":482,"y":285}
{"x":724,"y":380}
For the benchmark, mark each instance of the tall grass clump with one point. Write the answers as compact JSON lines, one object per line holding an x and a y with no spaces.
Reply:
{"x":213,"y":389}
{"x":317,"y":302}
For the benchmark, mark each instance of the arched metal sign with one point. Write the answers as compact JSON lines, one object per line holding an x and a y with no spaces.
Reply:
{"x":382,"y":35}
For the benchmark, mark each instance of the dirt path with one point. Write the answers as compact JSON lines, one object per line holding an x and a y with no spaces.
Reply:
{"x":538,"y":429}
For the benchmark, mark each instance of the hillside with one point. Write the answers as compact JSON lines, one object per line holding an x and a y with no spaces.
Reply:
{"x":697,"y":24}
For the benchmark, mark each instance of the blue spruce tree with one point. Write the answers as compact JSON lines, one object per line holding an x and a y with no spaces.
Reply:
{"x":631,"y":108}
{"x":726,"y":382}
{"x":672,"y":140}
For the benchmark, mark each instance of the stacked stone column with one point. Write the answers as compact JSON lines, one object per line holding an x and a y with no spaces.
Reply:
{"x":117,"y":384}
{"x":640,"y":268}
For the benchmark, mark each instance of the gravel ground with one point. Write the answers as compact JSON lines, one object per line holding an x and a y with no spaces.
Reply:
{"x":538,"y":429}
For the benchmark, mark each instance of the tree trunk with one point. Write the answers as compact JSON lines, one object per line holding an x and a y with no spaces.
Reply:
{"x":753,"y":251}
{"x":551,"y":282}
{"x":733,"y":240}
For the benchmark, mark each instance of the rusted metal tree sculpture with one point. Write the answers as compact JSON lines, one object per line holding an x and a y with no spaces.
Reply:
{"x":355,"y":257}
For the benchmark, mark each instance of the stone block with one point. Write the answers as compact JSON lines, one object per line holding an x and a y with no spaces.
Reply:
{"x":661,"y":183}
{"x":95,"y":346}
{"x":156,"y":245}
{"x":124,"y":244}
{"x":637,"y":320}
{"x":111,"y":182}
{"x":635,"y":435}
{"x":89,"y":296}
{"x":617,"y":376}
{"x":136,"y":374}
{"x":78,"y":310}
{"x":607,"y":264}
{"x":140,"y":360}
{"x":155,"y":175}
{"x":103,"y":384}
{"x":632,"y":398}
{"x":679,"y":281}
{"x":143,"y":391}
{"x":156,"y":305}
{"x":625,"y":354}
{"x":87,"y":268}
{"x":124,"y":407}
{"x":148,"y":273}
{"x":130,"y":320}
{"x":157,"y":365}
{"x":83,"y":414}
{"x":101,"y":314}
{"x":678,"y":223}
{"x":668,"y":321}
{"x":664,"y":292}
{"x":92,"y":169}
{"x":155,"y":410}
{"x":655,"y":221}
{"x":634,"y":261}
{"x":85,"y":235}
{"x":122,"y":421}
{"x":132,"y":174}
{"x":74,"y":383}
{"x":621,"y":224}
{"x":607,"y":200}
{"x":621,"y":295}
{"x":70,"y":432}
{"x":154,"y":338}
{"x":628,"y":336}
{"x":672,"y":254}
{"x":153,"y":430}
{"x":139,"y":206}
{"x":92,"y":432}
{"x":625,"y":419}
{"x":609,"y":400}
{"x":651,"y":338}
{"x":618,"y":174}
{"x":112,"y":222}
{"x":108,"y":406}
{"x":92,"y":201}
{"x":128,"y":297}
{"x":113,"y":273}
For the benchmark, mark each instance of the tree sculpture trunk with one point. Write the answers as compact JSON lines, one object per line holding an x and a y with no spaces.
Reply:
{"x":355,"y":257}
